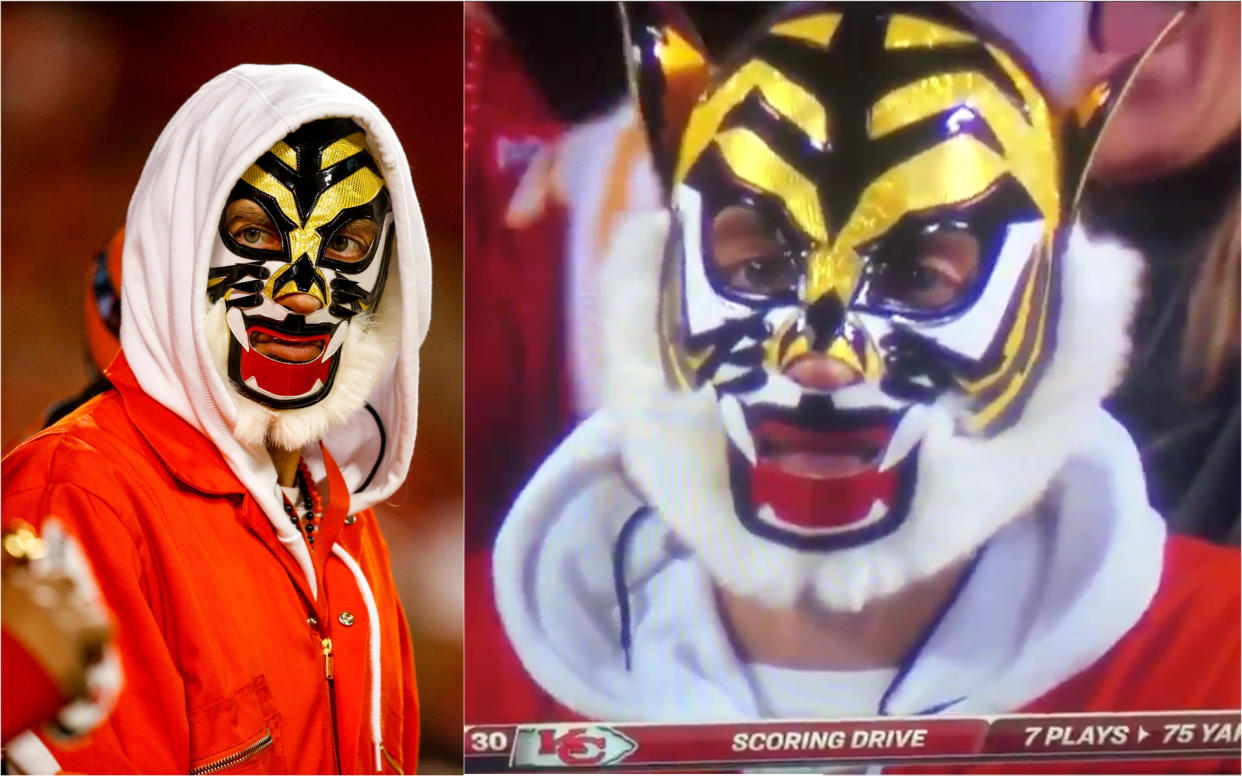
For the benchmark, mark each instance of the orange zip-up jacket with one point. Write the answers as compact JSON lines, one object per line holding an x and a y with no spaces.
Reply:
{"x":231,"y":663}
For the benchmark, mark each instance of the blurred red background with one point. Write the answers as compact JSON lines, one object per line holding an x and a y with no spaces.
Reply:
{"x":85,"y":91}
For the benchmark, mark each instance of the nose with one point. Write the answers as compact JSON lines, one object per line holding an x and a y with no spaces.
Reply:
{"x":819,"y":372}
{"x":300,"y":304}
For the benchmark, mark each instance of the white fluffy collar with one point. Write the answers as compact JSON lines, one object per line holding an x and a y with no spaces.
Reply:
{"x":1049,"y":595}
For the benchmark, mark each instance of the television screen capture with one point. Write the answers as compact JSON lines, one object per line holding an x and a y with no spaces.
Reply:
{"x":852,"y":387}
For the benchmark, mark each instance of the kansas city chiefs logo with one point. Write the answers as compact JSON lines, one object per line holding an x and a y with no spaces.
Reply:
{"x":573,"y":746}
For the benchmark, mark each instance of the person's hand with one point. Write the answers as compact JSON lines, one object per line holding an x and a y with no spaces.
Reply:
{"x":47,"y":610}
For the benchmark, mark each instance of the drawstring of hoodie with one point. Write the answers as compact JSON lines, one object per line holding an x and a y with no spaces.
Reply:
{"x":624,"y":539}
{"x":373,"y":650}
{"x":336,"y":484}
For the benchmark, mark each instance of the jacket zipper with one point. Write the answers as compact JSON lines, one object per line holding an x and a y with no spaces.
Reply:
{"x":327,"y":664}
{"x":235,"y":758}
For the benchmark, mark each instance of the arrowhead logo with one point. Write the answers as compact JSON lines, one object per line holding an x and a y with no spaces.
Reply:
{"x":561,"y":746}
{"x":1142,"y":734}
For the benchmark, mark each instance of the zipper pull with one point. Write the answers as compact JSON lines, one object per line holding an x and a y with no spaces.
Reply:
{"x":327,"y":656}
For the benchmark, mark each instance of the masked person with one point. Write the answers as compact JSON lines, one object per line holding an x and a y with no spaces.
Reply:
{"x":851,"y":458}
{"x":276,"y":288}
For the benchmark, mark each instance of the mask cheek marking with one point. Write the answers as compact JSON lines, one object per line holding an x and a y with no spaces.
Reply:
{"x":334,"y":344}
{"x":368,"y":279}
{"x":877,"y":327}
{"x":996,"y":414}
{"x":874,"y":329}
{"x":782,"y":346}
{"x":735,"y":426}
{"x":1031,"y":299}
{"x":237,"y":325}
{"x":973,"y":332}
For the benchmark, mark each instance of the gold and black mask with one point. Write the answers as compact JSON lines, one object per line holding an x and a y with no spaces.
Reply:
{"x":305,"y":242}
{"x":882,"y":190}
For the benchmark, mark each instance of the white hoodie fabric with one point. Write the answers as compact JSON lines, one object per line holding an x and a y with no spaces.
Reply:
{"x":170,"y":230}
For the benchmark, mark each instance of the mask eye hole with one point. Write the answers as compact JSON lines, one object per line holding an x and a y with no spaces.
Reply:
{"x":751,"y":255}
{"x":352,"y":242}
{"x":933,"y":271}
{"x":249,"y":226}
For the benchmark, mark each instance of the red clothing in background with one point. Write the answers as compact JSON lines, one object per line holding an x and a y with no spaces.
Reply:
{"x":516,"y":384}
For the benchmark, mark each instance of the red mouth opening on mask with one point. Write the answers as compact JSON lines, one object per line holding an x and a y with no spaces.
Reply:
{"x":817,"y":480}
{"x":284,"y":365}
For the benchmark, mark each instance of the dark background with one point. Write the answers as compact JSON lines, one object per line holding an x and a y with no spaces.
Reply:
{"x":85,"y":91}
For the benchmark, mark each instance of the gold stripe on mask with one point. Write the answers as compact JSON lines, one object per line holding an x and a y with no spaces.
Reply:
{"x":1048,"y":150}
{"x":1089,"y":105}
{"x":675,"y":53}
{"x":695,"y":359}
{"x":358,"y":189}
{"x":755,"y":163}
{"x":817,"y":29}
{"x":841,"y":349}
{"x":673,"y":359}
{"x":1029,"y":150}
{"x":833,"y":271}
{"x":953,"y":171}
{"x":772,"y":354}
{"x":783,"y":95}
{"x":264,"y":182}
{"x":342,"y":149}
{"x":680,"y":377}
{"x":362,"y":186}
{"x":911,"y":32}
{"x":285,"y":154}
{"x":1015,"y":337}
{"x":985,"y":417}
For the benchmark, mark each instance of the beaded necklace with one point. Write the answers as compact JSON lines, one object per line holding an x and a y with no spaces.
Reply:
{"x":311,"y":501}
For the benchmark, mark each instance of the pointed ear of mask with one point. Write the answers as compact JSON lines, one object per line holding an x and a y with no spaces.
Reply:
{"x":1086,"y":124}
{"x":668,"y":70}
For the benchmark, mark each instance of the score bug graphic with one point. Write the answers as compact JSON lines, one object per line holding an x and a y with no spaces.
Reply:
{"x":575,"y":747}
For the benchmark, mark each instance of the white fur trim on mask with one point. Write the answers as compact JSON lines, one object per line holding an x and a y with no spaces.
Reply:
{"x":369,"y":348}
{"x":673,"y":443}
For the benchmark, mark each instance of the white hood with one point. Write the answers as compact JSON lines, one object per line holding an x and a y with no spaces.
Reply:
{"x":170,"y":230}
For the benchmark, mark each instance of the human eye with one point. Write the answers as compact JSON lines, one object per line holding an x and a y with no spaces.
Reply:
{"x":353,"y":241}
{"x":249,"y":225}
{"x":750,"y":254}
{"x":933,"y":272}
